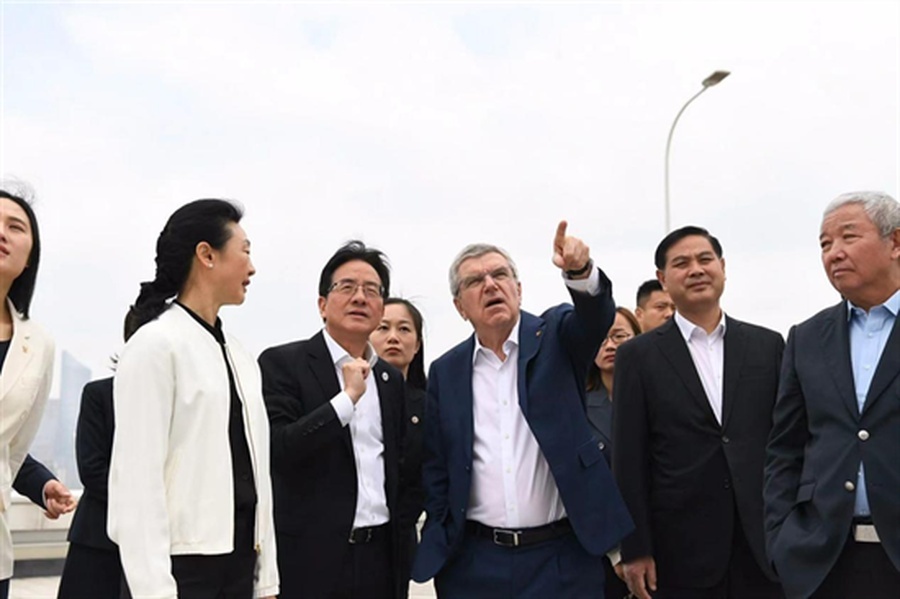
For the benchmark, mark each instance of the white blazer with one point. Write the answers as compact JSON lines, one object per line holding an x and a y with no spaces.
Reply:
{"x":170,"y":483}
{"x":24,"y":386}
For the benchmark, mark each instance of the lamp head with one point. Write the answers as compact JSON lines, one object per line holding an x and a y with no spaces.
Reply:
{"x":715,"y":78}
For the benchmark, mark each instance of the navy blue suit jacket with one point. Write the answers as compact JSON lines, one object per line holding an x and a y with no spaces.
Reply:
{"x":815,"y":448}
{"x":555,"y":350}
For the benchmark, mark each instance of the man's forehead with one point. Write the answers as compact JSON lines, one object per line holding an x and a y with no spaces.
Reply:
{"x":659,"y":296}
{"x":487,"y":261}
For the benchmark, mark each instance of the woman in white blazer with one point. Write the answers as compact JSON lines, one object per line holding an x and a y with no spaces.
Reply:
{"x":190,"y":501}
{"x":26,"y":355}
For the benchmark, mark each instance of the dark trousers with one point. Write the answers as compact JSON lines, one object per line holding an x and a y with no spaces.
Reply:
{"x":4,"y":588}
{"x":556,"y":568}
{"x":614,"y":587}
{"x":368,"y":571}
{"x":862,"y":570}
{"x":228,"y":576}
{"x":743,"y":580}
{"x":90,"y":572}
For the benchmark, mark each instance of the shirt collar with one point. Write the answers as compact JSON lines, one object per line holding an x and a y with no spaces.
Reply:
{"x":687,"y":328}
{"x":511,"y":341}
{"x":339,"y":355}
{"x":892,"y":305}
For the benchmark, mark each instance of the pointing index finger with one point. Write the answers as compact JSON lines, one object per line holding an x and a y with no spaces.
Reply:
{"x":560,"y":238}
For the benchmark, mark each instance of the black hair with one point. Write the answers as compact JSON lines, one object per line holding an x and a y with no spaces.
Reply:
{"x":677,"y":235}
{"x":647,"y":289}
{"x":200,"y":220}
{"x":356,"y":250}
{"x":22,"y":289}
{"x":415,"y":376}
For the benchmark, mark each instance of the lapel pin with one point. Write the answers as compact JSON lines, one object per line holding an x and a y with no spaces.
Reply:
{"x":384,"y":376}
{"x":538,"y":333}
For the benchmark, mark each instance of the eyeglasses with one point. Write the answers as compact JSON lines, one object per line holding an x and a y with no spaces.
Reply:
{"x":349,"y":286}
{"x":619,"y":337}
{"x":499,"y":275}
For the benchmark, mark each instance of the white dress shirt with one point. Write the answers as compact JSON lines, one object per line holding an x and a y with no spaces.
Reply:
{"x":364,"y":420}
{"x":512,"y":485}
{"x":708,"y":354}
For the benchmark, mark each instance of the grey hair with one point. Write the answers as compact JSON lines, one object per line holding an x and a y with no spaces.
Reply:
{"x":476,"y":250}
{"x":882,"y":209}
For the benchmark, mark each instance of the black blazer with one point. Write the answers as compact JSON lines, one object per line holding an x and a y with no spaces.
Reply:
{"x":313,"y":465}
{"x":93,"y":450}
{"x":680,"y":472}
{"x":815,"y":448}
{"x":599,"y":411}
{"x":30,"y":480}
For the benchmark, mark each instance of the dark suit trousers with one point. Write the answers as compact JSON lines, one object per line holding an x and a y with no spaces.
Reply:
{"x":90,"y":572}
{"x":743,"y":580}
{"x":366,"y":572}
{"x":862,"y":570}
{"x":556,"y":568}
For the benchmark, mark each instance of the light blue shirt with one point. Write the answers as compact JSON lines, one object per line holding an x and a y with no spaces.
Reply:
{"x":868,"y":337}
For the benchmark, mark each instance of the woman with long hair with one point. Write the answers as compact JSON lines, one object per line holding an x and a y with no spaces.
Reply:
{"x":26,"y":356}
{"x":398,"y":341}
{"x":189,"y":491}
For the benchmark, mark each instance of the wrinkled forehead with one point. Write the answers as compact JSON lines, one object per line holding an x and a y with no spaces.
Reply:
{"x":847,"y":217}
{"x":485,"y":263}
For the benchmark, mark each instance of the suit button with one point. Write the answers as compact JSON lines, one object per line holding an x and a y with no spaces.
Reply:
{"x":414,"y":420}
{"x":725,"y":439}
{"x":601,"y":445}
{"x":849,"y":486}
{"x":863,"y":435}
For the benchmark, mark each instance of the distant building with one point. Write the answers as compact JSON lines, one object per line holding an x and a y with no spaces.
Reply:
{"x":54,"y":444}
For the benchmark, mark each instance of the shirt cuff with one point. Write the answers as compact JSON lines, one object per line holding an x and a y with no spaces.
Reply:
{"x":343,"y":407}
{"x":615,"y":556}
{"x":590,"y":285}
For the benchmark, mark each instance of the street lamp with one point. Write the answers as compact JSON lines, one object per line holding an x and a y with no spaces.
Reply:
{"x":710,"y":81}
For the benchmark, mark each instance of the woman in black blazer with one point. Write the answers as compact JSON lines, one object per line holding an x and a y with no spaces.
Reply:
{"x":599,"y":410}
{"x":398,"y":341}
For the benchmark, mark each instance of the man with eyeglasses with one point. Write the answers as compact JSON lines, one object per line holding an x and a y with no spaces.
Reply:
{"x":519,"y":500}
{"x":336,"y":416}
{"x":693,"y":408}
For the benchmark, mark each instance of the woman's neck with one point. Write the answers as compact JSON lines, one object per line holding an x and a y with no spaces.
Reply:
{"x":607,"y":379}
{"x":199,"y":304}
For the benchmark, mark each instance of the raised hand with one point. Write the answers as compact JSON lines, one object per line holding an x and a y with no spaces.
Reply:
{"x":570,"y":253}
{"x":355,"y":374}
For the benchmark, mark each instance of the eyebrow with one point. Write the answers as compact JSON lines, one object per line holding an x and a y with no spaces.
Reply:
{"x":16,"y":219}
{"x":843,"y":227}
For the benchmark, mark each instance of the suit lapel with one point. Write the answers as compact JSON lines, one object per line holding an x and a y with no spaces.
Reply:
{"x":460,"y":401}
{"x":888,"y":367}
{"x":735,"y":348}
{"x":19,"y":355}
{"x":836,"y":337}
{"x":676,"y":351}
{"x":389,"y":404}
{"x":531,"y":331}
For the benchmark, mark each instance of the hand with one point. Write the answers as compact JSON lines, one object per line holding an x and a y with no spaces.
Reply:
{"x":57,"y":499}
{"x":640,"y":575}
{"x":620,"y":571}
{"x":570,"y":253}
{"x":355,"y":374}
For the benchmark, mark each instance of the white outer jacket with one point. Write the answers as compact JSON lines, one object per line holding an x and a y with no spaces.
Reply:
{"x":170,"y":483}
{"x":24,"y":386}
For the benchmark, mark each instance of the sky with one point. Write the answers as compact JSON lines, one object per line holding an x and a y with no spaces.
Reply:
{"x":420,"y":128}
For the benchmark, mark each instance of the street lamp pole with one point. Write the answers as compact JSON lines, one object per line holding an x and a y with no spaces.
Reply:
{"x":710,"y":81}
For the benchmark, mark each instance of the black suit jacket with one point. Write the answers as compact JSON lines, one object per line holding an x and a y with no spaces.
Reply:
{"x":93,"y":450}
{"x":313,"y":466}
{"x":30,"y":480}
{"x":815,"y":448}
{"x":682,"y":473}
